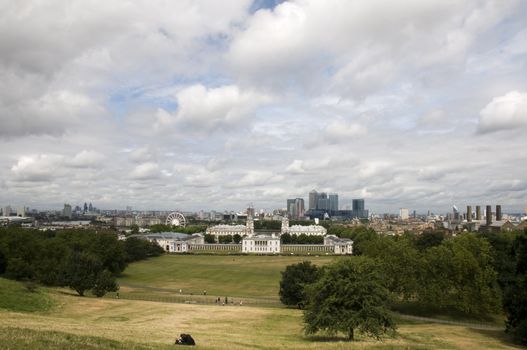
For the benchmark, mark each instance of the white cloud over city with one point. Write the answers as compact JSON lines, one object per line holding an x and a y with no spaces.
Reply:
{"x":195,"y":105}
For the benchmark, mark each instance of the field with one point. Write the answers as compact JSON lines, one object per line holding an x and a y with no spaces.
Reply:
{"x":71,"y":322}
{"x":219,"y":275}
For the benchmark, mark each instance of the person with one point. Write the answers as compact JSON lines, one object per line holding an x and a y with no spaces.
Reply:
{"x":204,"y":292}
{"x":185,"y":339}
{"x":117,"y":295}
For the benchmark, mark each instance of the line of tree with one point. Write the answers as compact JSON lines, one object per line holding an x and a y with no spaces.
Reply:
{"x":287,"y":238}
{"x":474,"y":275}
{"x":80,"y":259}
{"x":190,"y":229}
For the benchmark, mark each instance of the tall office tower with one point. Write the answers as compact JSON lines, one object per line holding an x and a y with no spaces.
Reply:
{"x":250,"y":212}
{"x":6,"y":211}
{"x":469,"y":213}
{"x":90,"y":208}
{"x":313,"y":200}
{"x":478,"y":212}
{"x":85,"y":207}
{"x":456,"y":213}
{"x":299,"y":208}
{"x":291,"y":208}
{"x":403,"y":213}
{"x":66,"y":211}
{"x":323,"y":201}
{"x":489,"y":215}
{"x":357,"y":204}
{"x":333,"y":202}
{"x":498,"y":213}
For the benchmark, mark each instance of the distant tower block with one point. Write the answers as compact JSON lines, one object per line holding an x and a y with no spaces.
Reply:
{"x":489,"y":215}
{"x":478,"y":212}
{"x":469,"y":213}
{"x":498,"y":213}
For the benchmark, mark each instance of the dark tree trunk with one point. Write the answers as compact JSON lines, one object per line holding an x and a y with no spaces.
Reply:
{"x":350,"y":335}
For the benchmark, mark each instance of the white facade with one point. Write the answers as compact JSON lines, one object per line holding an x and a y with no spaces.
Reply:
{"x":261,"y":244}
{"x":175,"y":242}
{"x":403,"y":213}
{"x":311,"y":230}
{"x":341,"y":246}
{"x":231,"y":230}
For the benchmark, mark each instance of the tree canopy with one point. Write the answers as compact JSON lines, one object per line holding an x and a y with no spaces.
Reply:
{"x":294,"y":279}
{"x":350,"y":295}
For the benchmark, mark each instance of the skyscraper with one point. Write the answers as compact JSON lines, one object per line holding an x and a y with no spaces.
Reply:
{"x":66,"y":212}
{"x":333,"y":202}
{"x":295,"y":208}
{"x":323,"y":201}
{"x":357,"y":205}
{"x":7,"y":210}
{"x":313,"y":200}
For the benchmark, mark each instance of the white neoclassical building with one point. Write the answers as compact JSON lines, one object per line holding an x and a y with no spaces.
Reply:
{"x":311,"y":230}
{"x":173,"y":242}
{"x":341,"y":246}
{"x":262,"y":244}
{"x":231,"y":230}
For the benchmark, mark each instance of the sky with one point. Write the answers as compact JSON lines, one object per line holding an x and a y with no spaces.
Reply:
{"x":201,"y":105}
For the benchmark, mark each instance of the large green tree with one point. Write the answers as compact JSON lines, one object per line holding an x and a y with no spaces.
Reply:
{"x":515,"y":299}
{"x":350,"y":295}
{"x":294,"y":279}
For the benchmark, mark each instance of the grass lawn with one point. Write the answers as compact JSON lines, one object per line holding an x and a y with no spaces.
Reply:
{"x":90,"y":323}
{"x":15,"y":297}
{"x":219,"y":275}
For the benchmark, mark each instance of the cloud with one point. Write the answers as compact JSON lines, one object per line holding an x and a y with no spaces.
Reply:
{"x":504,"y":112}
{"x":87,"y":159}
{"x":203,"y":109}
{"x":145,"y":171}
{"x":37,"y":168}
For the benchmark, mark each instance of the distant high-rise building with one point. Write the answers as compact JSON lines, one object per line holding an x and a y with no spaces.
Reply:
{"x":295,"y":208}
{"x":403,"y":213}
{"x":85,"y":207}
{"x":66,"y":212}
{"x":478,"y":212}
{"x":498,"y":213}
{"x":250,"y":212}
{"x":333,"y":201}
{"x":357,"y":204}
{"x":90,"y":208}
{"x":313,"y":200}
{"x":6,"y":211}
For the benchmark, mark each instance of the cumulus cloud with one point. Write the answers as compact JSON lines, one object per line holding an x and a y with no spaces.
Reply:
{"x":37,"y":168}
{"x":87,"y":159}
{"x":207,"y":109}
{"x":145,"y":171}
{"x":504,"y":112}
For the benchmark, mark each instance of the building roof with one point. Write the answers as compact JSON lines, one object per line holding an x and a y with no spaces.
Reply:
{"x":261,"y":238}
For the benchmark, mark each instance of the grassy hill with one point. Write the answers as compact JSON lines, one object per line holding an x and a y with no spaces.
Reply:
{"x":15,"y":296}
{"x":90,"y":323}
{"x":233,"y":276}
{"x":28,"y":320}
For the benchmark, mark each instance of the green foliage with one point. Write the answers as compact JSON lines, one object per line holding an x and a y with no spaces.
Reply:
{"x":287,"y":238}
{"x":138,"y":249}
{"x":515,"y":298}
{"x":459,"y":275}
{"x":350,"y":295}
{"x":81,"y":272}
{"x":400,"y":261}
{"x":225,"y":239}
{"x":134,"y":229}
{"x":190,"y":229}
{"x":267,"y":225}
{"x":359,"y":234}
{"x":236,"y":238}
{"x":294,"y":278}
{"x":105,"y":282}
{"x":209,"y":238}
{"x":429,"y":239}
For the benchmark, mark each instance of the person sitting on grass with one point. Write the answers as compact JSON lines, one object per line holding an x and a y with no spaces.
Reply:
{"x":185,"y":339}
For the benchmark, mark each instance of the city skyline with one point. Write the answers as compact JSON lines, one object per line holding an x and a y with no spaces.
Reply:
{"x":212,"y":105}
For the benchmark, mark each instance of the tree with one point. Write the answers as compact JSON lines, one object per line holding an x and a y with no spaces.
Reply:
{"x":237,"y":238}
{"x":515,"y":298}
{"x":294,"y":278}
{"x":105,"y":282}
{"x":350,"y":295}
{"x":81,"y":272}
{"x":429,"y":239}
{"x":134,"y":229}
{"x":210,"y":238}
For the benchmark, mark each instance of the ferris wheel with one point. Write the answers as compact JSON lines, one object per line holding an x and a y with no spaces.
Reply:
{"x":176,"y":219}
